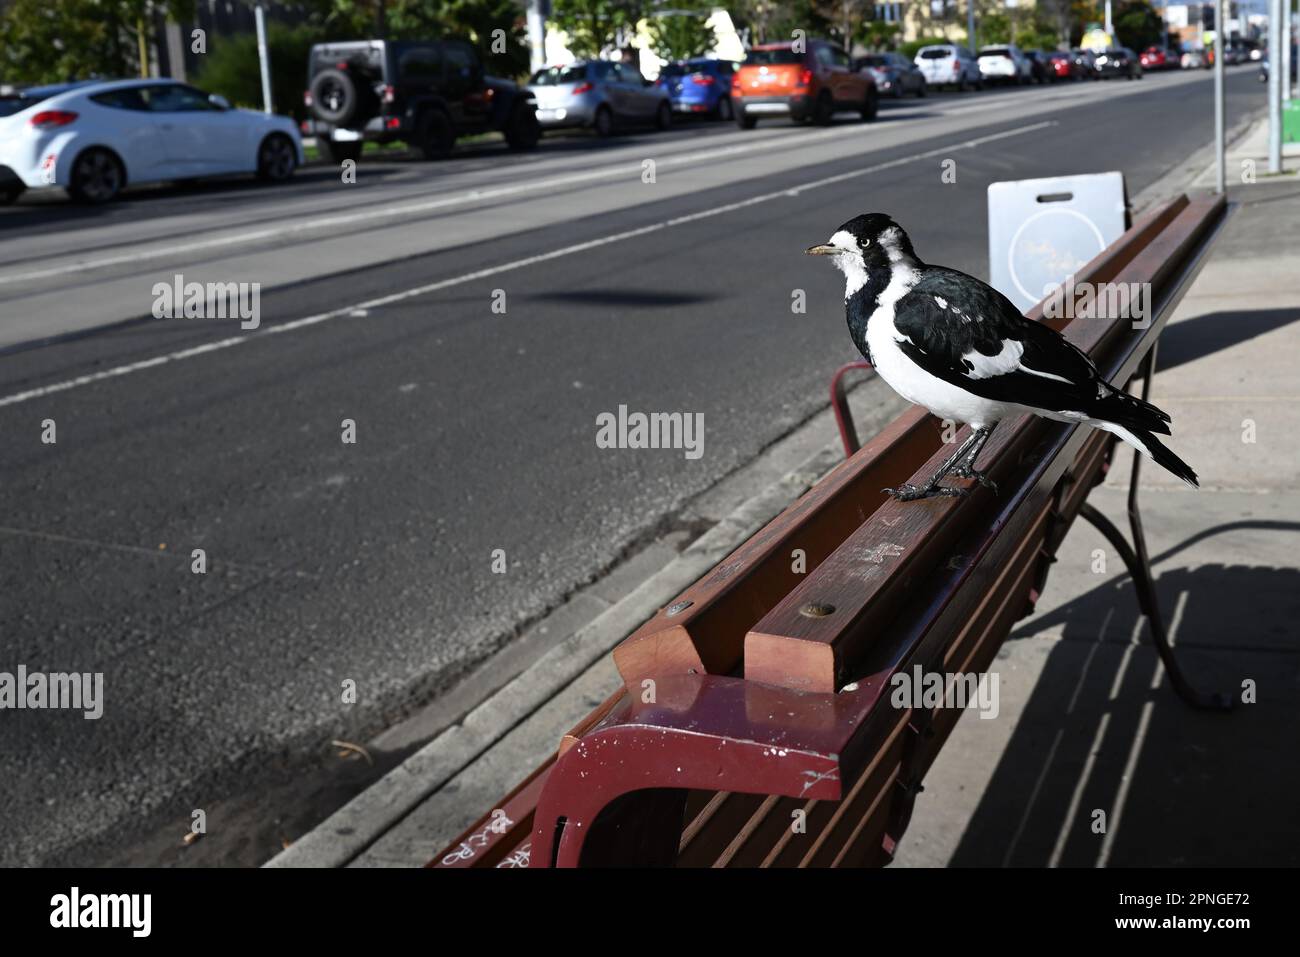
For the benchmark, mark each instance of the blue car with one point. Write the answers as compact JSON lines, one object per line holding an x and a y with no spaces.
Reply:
{"x":699,"y":86}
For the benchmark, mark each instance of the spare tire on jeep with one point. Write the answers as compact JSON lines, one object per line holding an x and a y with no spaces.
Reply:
{"x":334,"y":96}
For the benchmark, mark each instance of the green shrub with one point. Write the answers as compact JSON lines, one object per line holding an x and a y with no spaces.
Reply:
{"x":231,"y":68}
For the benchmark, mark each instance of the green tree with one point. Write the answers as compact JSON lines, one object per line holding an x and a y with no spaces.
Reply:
{"x":683,"y":33}
{"x":592,"y":25}
{"x":230,"y":67}
{"x":496,"y":28}
{"x":1138,"y":26}
{"x":44,"y":42}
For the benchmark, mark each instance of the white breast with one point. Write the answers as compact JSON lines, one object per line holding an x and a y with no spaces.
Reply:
{"x":911,"y":381}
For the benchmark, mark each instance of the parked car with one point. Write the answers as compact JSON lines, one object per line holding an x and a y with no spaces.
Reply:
{"x":1064,"y":67}
{"x":778,"y":80}
{"x":601,"y":94}
{"x":1158,"y":58}
{"x":425,"y":93}
{"x":94,"y":139}
{"x":1086,"y":61}
{"x":1118,"y":61}
{"x":1039,"y":70}
{"x":948,"y":65}
{"x":895,"y":74}
{"x":1004,"y":64}
{"x":699,"y":86}
{"x":1194,"y":60}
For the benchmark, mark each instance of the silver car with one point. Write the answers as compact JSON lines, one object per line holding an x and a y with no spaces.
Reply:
{"x":600,"y":94}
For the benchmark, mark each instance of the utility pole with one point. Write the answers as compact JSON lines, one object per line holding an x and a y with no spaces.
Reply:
{"x":1275,"y":86}
{"x":970,"y":25}
{"x":1110,"y":29}
{"x":1220,"y":36}
{"x":263,"y":58}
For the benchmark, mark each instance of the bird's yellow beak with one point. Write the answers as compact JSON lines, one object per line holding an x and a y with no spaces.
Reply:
{"x":822,"y":249}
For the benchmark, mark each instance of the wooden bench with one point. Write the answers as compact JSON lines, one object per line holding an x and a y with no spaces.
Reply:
{"x":754,"y":727}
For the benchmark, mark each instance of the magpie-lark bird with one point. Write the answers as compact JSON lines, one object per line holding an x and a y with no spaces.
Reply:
{"x":948,"y":342}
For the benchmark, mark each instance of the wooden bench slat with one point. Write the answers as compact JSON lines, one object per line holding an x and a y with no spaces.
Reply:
{"x":708,"y":635}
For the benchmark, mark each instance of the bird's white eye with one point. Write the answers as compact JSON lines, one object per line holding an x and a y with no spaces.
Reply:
{"x":866,"y":242}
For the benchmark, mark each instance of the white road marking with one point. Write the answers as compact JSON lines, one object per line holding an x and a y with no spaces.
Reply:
{"x":348,"y":310}
{"x":408,"y":209}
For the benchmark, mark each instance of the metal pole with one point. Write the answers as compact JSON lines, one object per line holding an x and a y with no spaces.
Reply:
{"x":1274,"y":86}
{"x":264,"y":58}
{"x":1286,"y":49}
{"x":536,"y":36}
{"x":970,"y":25}
{"x":1220,"y":44}
{"x":1109,"y":27}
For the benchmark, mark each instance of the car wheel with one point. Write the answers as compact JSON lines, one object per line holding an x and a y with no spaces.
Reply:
{"x":434,"y":135}
{"x":604,"y":121}
{"x":276,"y":158}
{"x":746,"y":122}
{"x":922,"y":90}
{"x":663,"y":117}
{"x":725,"y":112}
{"x":97,"y":177}
{"x":522,"y":129}
{"x":961,"y":84}
{"x":336,"y":152}
{"x":8,"y":196}
{"x":871,"y":106}
{"x":334,"y":96}
{"x":824,"y":111}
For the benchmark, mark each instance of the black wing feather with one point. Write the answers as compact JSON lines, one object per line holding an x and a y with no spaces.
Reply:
{"x":980,"y":319}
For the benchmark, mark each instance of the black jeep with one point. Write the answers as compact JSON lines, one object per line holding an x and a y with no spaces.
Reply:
{"x":422,"y":92}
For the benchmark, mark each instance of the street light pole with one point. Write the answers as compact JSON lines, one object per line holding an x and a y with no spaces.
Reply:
{"x":970,"y":24}
{"x":1220,"y":35}
{"x":264,"y":58}
{"x":1275,"y":86}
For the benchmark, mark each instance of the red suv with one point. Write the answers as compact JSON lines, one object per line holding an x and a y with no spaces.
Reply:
{"x":809,"y":83}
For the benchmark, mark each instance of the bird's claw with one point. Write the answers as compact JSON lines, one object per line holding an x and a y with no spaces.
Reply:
{"x":980,"y":477}
{"x":910,"y":493}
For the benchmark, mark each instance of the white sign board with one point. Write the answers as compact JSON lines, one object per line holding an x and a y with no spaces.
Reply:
{"x":1042,"y":231}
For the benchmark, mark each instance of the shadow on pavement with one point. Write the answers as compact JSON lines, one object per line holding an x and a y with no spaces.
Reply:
{"x":1196,"y":338}
{"x":1178,"y":787}
{"x":623,"y":297}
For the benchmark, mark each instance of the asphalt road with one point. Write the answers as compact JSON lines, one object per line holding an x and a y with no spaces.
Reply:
{"x":372,"y":562}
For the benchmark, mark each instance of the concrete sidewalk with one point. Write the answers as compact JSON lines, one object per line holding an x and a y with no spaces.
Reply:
{"x":1088,"y":721}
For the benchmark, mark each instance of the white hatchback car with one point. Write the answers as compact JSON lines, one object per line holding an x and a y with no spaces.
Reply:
{"x":93,"y":139}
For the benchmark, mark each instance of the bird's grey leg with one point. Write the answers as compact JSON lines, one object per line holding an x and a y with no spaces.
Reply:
{"x":906,"y":493}
{"x":966,"y":468}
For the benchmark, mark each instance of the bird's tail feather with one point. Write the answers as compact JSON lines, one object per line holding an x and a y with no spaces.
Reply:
{"x":1152,"y":448}
{"x":1131,"y":412}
